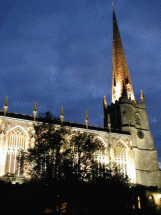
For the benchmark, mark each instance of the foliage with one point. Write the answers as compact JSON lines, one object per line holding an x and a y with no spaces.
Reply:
{"x":8,"y":178}
{"x":54,"y":156}
{"x":81,"y":150}
{"x":46,"y":154}
{"x":48,"y":116}
{"x":113,"y":174}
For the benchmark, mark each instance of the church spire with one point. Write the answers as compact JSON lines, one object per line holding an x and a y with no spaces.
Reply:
{"x":121,"y":76}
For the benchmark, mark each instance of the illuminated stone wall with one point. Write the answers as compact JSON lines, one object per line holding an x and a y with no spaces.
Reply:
{"x":109,"y":139}
{"x":136,"y":157}
{"x":131,"y":116}
{"x":7,"y":125}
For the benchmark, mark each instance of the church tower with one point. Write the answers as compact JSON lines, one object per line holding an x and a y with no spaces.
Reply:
{"x":128,"y":115}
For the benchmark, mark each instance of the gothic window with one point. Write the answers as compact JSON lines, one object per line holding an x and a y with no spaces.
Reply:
{"x":73,"y":150}
{"x":120,"y":157}
{"x":16,"y":140}
{"x":100,"y":155}
{"x":151,"y":200}
{"x":71,"y":146}
{"x":100,"y":158}
{"x":137,"y":119}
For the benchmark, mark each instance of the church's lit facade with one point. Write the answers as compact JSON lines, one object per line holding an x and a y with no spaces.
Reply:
{"x":126,"y":135}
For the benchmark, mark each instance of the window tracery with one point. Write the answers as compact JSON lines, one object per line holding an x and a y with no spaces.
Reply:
{"x":16,"y":140}
{"x":120,"y":157}
{"x":100,"y":154}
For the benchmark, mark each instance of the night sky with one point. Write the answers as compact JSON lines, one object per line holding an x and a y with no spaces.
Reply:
{"x":59,"y":52}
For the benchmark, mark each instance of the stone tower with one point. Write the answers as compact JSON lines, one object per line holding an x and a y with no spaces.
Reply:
{"x":128,"y":115}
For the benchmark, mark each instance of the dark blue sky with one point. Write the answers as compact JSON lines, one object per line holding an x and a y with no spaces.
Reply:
{"x":59,"y":52}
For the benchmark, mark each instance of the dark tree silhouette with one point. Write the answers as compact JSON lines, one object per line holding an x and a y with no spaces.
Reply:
{"x":81,"y":153}
{"x":46,"y":156}
{"x":54,"y":156}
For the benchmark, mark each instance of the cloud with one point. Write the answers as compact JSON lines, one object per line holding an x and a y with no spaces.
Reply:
{"x":60,"y":53}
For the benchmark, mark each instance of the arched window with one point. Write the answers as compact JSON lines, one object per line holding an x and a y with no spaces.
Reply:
{"x":120,"y":157}
{"x":137,"y":119}
{"x":16,"y":139}
{"x":100,"y":154}
{"x":151,"y":201}
{"x":70,"y":145}
{"x":73,"y":151}
{"x":82,"y":153}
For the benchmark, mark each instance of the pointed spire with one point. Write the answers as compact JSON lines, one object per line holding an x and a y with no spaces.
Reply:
{"x":5,"y":106}
{"x":120,"y":70}
{"x":35,"y":110}
{"x":61,"y":115}
{"x":86,"y":120}
{"x":142,"y":97}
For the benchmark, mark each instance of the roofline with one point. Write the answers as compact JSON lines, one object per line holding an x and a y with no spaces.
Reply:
{"x":76,"y":126}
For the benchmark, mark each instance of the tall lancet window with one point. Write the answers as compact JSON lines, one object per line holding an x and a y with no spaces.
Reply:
{"x":16,"y":139}
{"x":120,"y":157}
{"x":100,"y":154}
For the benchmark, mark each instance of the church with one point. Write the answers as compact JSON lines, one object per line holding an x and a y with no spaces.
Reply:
{"x":126,"y":134}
